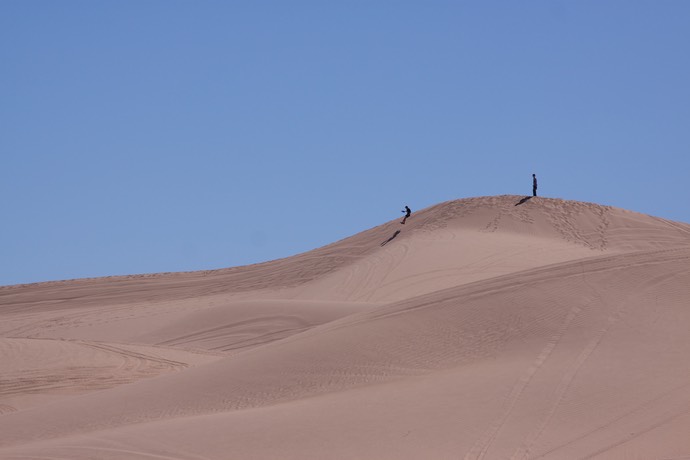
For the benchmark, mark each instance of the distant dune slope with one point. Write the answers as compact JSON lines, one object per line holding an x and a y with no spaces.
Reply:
{"x":581,"y":224}
{"x":485,"y":328}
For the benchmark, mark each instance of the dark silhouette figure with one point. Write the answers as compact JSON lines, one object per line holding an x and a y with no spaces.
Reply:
{"x":397,"y":232}
{"x":534,"y":185}
{"x":407,"y":212}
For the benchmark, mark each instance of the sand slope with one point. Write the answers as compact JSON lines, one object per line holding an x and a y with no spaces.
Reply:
{"x":492,"y":327}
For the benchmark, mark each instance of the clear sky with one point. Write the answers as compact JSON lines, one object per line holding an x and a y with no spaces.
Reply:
{"x":149,"y":136}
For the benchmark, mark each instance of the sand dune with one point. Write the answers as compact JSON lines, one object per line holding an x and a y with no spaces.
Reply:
{"x":484,"y":328}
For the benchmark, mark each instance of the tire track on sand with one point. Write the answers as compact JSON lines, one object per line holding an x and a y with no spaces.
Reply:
{"x":483,"y":444}
{"x":523,"y":451}
{"x":6,"y":409}
{"x":114,"y":366}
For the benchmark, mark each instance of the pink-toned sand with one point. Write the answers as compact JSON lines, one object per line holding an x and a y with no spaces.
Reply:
{"x":485,"y":329}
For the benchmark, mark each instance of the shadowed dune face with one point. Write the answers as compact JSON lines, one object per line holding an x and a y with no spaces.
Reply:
{"x":484,"y":328}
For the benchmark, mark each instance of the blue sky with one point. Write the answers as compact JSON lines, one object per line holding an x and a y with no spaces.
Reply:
{"x":151,"y":136}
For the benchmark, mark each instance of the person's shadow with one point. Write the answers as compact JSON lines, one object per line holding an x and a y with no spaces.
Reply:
{"x":524,"y":200}
{"x":397,"y":232}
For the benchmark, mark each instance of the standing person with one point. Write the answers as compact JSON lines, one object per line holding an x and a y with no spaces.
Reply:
{"x":407,"y":212}
{"x":534,"y":185}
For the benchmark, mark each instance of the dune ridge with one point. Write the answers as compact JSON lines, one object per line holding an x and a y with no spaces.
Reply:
{"x":484,"y":328}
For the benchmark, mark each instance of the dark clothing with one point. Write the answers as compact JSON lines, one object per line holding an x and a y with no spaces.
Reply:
{"x":407,"y":212}
{"x":534,"y":185}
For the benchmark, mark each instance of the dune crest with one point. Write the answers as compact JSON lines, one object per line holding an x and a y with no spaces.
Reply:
{"x":484,"y":328}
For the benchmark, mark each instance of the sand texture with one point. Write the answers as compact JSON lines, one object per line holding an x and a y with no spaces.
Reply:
{"x":484,"y":328}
